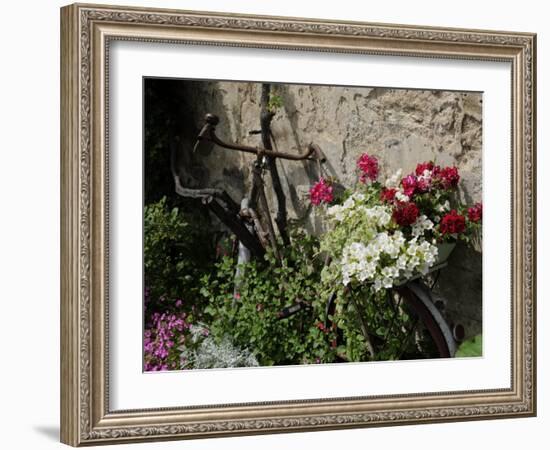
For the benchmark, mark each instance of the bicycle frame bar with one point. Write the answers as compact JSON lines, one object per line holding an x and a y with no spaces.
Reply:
{"x":208,"y":133}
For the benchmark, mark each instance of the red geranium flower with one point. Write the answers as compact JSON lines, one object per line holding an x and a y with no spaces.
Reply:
{"x":421,"y":167}
{"x":475,"y":212}
{"x":405,"y":214}
{"x":321,"y":192}
{"x":368,"y":166}
{"x":388,"y":194}
{"x":449,"y":177}
{"x":409,"y":185}
{"x":452,"y":223}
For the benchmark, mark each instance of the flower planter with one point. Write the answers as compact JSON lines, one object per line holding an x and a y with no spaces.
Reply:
{"x":443,"y":252}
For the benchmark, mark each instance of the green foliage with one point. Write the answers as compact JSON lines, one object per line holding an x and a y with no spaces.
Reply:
{"x":275,"y":102}
{"x":381,"y":314}
{"x":249,"y":313}
{"x":471,"y":347}
{"x":177,"y":251}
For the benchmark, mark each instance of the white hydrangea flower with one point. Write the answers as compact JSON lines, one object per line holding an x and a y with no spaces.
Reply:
{"x":421,"y":225}
{"x":351,"y":206}
{"x":401,"y":263}
{"x":443,"y":207}
{"x":399,"y":238}
{"x":337,"y":212}
{"x":349,"y":203}
{"x":390,"y":272}
{"x":377,"y":254}
{"x":394,"y":180}
{"x":399,"y":196}
{"x":380,"y":214}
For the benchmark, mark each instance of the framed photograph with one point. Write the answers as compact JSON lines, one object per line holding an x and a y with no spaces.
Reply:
{"x":275,"y":224}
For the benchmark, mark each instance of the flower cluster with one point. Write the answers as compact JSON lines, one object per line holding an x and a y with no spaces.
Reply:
{"x":405,"y":213}
{"x":448,"y":177}
{"x":409,"y":184}
{"x":431,"y":186}
{"x":368,"y":165}
{"x":321,"y":192}
{"x":427,"y":176}
{"x":373,"y":250}
{"x":355,"y":208}
{"x":384,"y":233}
{"x":475,"y":212}
{"x":452,"y":223}
{"x":421,"y":225}
{"x":386,"y":259}
{"x":160,"y":339}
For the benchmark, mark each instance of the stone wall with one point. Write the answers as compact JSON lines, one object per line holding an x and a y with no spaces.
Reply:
{"x":401,"y":127}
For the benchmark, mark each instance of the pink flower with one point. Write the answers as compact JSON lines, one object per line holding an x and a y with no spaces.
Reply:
{"x":424,"y":174}
{"x":160,"y":338}
{"x":368,"y":166}
{"x":424,"y":184}
{"x":321,"y":192}
{"x":409,"y":185}
{"x":321,"y":326}
{"x":475,"y":212}
{"x":178,"y":303}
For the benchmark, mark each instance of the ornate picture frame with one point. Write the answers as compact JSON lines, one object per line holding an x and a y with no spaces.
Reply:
{"x":87,"y":32}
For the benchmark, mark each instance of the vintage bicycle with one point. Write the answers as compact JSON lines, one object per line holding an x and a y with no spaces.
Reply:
{"x":251,"y":222}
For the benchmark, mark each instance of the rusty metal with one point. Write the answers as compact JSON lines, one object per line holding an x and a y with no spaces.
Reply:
{"x":208,"y":133}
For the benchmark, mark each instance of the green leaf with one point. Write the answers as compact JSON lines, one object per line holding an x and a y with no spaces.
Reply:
{"x":471,"y":347}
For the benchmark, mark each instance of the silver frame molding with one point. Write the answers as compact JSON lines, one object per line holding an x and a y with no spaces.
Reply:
{"x":86,"y":31}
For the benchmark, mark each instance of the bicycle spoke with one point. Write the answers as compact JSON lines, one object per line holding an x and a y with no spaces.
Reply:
{"x":410,"y":332}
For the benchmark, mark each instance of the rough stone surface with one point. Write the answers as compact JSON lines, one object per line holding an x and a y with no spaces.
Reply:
{"x":401,"y":127}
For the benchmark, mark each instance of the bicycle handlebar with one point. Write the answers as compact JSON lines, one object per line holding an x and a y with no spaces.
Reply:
{"x":208,"y":133}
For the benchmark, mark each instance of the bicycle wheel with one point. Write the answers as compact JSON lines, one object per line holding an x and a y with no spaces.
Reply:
{"x":439,"y":340}
{"x":413,"y":329}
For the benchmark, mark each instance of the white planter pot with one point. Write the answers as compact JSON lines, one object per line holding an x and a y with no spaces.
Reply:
{"x":444,"y":251}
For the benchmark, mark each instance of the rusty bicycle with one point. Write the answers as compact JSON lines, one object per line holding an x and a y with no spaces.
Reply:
{"x":251,"y":222}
